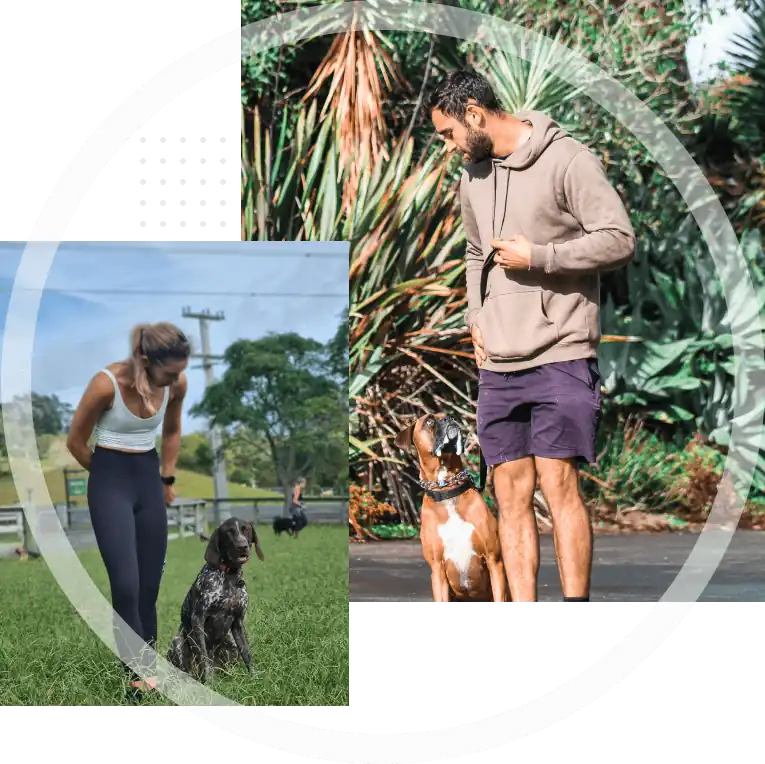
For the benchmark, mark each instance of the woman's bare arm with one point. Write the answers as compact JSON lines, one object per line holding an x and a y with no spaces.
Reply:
{"x":96,"y":399}
{"x":171,"y":427}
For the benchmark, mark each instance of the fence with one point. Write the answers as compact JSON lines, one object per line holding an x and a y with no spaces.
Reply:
{"x":11,"y":529}
{"x":186,"y":517}
{"x":319,"y":511}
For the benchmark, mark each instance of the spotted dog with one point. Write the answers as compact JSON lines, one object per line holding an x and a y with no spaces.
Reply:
{"x":459,"y":535}
{"x":212,"y":630}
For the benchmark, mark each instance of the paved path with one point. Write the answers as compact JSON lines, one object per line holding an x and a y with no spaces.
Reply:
{"x":636,"y":568}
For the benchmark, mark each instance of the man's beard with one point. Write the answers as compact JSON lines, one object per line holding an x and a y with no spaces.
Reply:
{"x":479,"y":145}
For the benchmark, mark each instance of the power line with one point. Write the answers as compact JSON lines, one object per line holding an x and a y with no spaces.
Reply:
{"x":178,"y":292}
{"x":194,"y":253}
{"x":254,"y":252}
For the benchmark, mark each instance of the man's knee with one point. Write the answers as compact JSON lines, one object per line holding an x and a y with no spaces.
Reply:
{"x":514,"y":483}
{"x":559,"y":481}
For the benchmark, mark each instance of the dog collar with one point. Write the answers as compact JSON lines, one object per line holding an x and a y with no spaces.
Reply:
{"x":455,"y":486}
{"x":227,"y":569}
{"x":451,"y":493}
{"x":435,"y":485}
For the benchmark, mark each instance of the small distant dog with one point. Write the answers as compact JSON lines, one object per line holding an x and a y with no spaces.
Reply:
{"x":292,"y":524}
{"x":285,"y":525}
{"x":459,"y":535}
{"x":212,"y":633}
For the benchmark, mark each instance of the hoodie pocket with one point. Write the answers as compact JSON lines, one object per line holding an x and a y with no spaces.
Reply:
{"x":514,"y":323}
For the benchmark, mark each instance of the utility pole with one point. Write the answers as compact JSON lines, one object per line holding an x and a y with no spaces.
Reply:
{"x":220,"y":482}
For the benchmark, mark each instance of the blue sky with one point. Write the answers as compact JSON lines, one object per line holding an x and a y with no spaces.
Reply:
{"x":86,"y":315}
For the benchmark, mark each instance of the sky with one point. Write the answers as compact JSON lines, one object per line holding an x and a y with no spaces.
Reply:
{"x":714,"y":40}
{"x":96,"y":292}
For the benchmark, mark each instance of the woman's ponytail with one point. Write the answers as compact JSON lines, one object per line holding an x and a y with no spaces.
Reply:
{"x":138,"y":366}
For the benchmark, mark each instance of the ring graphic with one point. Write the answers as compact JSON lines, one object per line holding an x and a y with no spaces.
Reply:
{"x":746,"y":435}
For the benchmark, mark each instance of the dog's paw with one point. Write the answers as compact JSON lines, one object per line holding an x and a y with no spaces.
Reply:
{"x":205,"y":672}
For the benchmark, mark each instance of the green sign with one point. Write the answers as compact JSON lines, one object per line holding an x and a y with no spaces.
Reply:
{"x":77,"y":487}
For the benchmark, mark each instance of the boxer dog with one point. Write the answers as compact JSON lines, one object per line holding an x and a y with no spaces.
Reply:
{"x":459,"y":535}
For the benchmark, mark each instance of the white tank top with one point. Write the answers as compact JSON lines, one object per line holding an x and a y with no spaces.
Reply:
{"x":119,"y":427}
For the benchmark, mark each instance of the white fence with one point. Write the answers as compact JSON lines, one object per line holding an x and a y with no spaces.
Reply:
{"x":11,"y":529}
{"x":184,"y":518}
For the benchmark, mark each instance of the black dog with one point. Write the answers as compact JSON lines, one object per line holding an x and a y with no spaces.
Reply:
{"x":301,"y":520}
{"x":292,"y":524}
{"x":285,"y":524}
{"x":212,"y":615}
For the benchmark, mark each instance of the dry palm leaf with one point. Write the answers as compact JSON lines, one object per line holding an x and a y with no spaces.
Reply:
{"x":361,"y":72}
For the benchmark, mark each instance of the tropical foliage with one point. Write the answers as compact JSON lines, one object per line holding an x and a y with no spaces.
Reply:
{"x":667,"y":355}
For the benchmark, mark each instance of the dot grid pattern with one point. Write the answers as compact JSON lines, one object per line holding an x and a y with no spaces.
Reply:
{"x":179,"y":180}
{"x":184,"y":184}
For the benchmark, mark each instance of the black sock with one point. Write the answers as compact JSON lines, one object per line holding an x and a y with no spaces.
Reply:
{"x":576,"y":603}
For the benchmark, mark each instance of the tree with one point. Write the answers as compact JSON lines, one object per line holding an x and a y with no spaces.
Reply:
{"x":249,"y":453}
{"x":51,"y":415}
{"x":281,"y":388}
{"x":337,"y":348}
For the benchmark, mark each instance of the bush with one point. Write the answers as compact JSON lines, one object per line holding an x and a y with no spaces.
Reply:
{"x":240,"y":476}
{"x":640,"y":467}
{"x":371,"y":518}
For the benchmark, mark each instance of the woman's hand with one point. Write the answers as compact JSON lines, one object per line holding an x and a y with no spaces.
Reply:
{"x":169,"y":495}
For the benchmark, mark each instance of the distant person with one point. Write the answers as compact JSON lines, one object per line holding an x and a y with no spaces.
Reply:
{"x":130,"y":486}
{"x":297,"y":508}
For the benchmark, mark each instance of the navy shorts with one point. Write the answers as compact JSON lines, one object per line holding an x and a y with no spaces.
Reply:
{"x":551,"y":411}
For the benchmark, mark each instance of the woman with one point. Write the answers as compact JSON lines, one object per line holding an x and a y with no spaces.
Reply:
{"x":297,"y":508}
{"x":129,"y":486}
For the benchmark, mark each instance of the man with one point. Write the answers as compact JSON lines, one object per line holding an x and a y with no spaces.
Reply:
{"x":539,"y":204}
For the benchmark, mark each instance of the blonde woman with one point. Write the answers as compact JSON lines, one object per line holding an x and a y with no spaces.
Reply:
{"x":130,"y":485}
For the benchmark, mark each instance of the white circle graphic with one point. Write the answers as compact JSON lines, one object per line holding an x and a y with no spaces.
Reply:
{"x":746,"y":435}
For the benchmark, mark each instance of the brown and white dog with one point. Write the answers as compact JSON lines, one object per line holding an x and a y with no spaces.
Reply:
{"x":459,"y":535}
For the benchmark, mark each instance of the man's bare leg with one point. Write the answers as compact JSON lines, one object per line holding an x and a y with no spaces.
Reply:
{"x":572,"y":525}
{"x":514,"y":484}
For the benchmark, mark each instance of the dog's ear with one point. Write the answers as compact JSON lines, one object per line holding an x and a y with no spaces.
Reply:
{"x":212,"y":553}
{"x":256,"y":544}
{"x":404,"y":438}
{"x":252,"y":537}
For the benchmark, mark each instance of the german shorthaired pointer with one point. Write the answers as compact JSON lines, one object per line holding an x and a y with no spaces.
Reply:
{"x":212,"y":632}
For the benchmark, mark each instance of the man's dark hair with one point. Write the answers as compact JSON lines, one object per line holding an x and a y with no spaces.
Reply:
{"x":454,"y":93}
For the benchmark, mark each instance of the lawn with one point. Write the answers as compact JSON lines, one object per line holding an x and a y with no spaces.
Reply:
{"x":189,"y":485}
{"x":297,"y":624}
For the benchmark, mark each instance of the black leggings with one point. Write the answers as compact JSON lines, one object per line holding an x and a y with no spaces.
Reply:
{"x":127,"y":509}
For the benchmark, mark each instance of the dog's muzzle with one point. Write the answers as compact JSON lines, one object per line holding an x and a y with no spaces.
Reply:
{"x":448,"y":437}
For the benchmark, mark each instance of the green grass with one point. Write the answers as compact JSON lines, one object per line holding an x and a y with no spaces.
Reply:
{"x":297,"y":624}
{"x":189,"y":485}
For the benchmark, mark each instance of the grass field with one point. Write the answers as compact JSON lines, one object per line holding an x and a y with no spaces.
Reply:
{"x":189,"y":485}
{"x":297,"y":624}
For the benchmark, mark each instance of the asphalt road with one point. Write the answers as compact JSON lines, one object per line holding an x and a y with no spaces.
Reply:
{"x":626,"y":568}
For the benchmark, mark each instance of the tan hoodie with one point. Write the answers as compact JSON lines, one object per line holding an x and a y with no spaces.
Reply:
{"x":554,"y":191}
